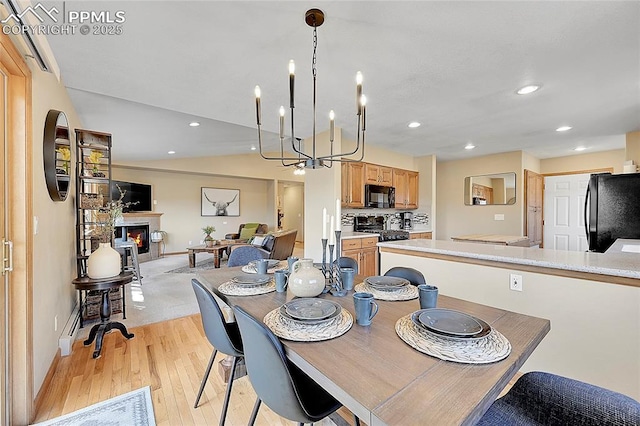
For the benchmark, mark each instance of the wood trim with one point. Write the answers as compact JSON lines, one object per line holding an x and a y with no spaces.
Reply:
{"x":46,"y":383}
{"x":611,"y":279}
{"x":579,"y":172}
{"x":20,"y":229}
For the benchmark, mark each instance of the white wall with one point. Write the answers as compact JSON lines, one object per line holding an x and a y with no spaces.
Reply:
{"x":595,"y":327}
{"x":293,"y":209}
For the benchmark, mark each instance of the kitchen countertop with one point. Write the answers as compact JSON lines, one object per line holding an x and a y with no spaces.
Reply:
{"x":419,"y":230}
{"x":615,"y":264}
{"x":346,"y":235}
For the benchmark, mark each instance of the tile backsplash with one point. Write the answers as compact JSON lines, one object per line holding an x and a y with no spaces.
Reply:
{"x":420,"y":218}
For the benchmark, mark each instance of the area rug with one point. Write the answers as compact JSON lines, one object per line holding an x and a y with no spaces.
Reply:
{"x":131,"y":409}
{"x":200,"y":266}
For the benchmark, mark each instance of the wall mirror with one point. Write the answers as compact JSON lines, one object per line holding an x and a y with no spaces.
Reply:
{"x":56,"y":150}
{"x":499,"y":188}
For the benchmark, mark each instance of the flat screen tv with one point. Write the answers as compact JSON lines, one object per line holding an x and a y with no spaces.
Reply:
{"x":137,"y":193}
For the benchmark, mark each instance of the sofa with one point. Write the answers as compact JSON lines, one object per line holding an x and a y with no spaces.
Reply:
{"x":248,"y":230}
{"x":278,"y":245}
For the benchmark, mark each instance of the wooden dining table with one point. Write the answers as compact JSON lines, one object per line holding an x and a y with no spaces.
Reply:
{"x":382,"y":379}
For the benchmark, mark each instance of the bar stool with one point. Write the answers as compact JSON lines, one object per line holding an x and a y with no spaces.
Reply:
{"x":129,"y":248}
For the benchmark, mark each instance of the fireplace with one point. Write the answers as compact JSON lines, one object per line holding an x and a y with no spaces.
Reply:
{"x":138,"y":233}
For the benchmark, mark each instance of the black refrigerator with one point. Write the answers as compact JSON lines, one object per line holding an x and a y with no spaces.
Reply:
{"x":612,"y":209}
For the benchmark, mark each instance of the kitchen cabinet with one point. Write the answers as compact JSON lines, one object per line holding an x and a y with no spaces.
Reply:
{"x":406,"y":184}
{"x":365,"y":253}
{"x":420,"y":235}
{"x":352,"y":188}
{"x":378,"y":175}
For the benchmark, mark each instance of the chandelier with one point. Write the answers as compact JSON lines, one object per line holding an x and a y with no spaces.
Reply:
{"x":301,"y":158}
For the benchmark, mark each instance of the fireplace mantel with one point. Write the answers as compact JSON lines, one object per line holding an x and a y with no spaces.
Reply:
{"x":139,"y":218}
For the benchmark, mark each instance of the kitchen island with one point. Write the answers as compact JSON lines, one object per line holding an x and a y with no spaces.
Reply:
{"x":592,"y":300}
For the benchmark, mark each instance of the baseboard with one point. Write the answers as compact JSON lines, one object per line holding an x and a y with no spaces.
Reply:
{"x":46,"y":383}
{"x":68,"y":336}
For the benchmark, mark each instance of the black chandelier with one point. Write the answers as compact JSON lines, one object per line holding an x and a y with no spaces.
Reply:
{"x":301,"y":159}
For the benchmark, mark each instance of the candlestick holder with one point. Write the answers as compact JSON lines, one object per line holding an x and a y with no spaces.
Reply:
{"x":337,"y":288}
{"x":324,"y":257}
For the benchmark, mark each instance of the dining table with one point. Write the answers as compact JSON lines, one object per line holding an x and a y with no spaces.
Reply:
{"x":383,"y":380}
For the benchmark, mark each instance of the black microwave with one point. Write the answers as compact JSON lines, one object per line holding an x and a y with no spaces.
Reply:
{"x":379,"y":197}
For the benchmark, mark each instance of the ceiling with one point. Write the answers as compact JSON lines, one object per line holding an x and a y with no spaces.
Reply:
{"x":452,"y":66}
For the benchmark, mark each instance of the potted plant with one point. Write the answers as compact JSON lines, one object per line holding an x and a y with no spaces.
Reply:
{"x":105,"y":261}
{"x":208,"y":239}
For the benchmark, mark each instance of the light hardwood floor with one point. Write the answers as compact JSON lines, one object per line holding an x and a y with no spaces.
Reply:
{"x":171,"y":357}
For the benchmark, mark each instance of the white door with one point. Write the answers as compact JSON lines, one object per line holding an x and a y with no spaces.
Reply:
{"x":4,"y":411}
{"x":564,"y":212}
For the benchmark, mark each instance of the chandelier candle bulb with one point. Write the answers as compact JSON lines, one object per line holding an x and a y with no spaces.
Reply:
{"x":338,"y":215}
{"x":292,"y":77}
{"x":281,"y":122}
{"x":359,"y":91}
{"x":332,"y":130}
{"x":257,"y":91}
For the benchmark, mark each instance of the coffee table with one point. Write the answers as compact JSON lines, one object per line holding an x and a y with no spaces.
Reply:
{"x":215,"y":250}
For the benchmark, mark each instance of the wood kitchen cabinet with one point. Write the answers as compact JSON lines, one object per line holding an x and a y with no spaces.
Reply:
{"x":352,"y":188}
{"x":378,"y":175}
{"x":365,"y":253}
{"x":406,"y":184}
{"x":420,"y":235}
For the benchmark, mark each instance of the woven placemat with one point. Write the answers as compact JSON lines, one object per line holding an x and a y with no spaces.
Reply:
{"x":407,"y":292}
{"x":234,"y":289}
{"x":492,"y":348}
{"x":292,"y":330}
{"x":250,"y":269}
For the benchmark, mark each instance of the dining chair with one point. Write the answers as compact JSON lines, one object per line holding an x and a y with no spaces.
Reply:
{"x":414,"y":276}
{"x":283,"y":387}
{"x":347,"y":262}
{"x":223,"y":336}
{"x":242,"y":255}
{"x":539,"y":398}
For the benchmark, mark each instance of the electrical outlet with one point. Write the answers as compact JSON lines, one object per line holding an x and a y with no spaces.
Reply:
{"x":190,"y":242}
{"x":515,"y":282}
{"x":498,"y":217}
{"x":55,"y":323}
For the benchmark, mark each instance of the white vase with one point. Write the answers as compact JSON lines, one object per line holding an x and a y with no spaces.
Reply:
{"x":104,"y":262}
{"x":306,"y":280}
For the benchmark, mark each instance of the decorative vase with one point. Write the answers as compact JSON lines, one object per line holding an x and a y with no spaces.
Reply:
{"x":208,"y":242}
{"x":104,"y":262}
{"x":306,"y":280}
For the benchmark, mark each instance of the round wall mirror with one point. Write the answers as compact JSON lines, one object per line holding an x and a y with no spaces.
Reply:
{"x":56,"y":152}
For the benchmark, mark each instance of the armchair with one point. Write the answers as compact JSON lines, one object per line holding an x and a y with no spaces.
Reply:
{"x":547,"y":399}
{"x":245,"y":234}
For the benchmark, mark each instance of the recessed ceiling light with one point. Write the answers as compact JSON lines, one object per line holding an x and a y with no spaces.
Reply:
{"x":563,"y":128}
{"x":253,"y":147}
{"x":194,"y":124}
{"x":580,"y":148}
{"x":414,"y":124}
{"x":171,"y":152}
{"x":528,"y":89}
{"x":469,"y":146}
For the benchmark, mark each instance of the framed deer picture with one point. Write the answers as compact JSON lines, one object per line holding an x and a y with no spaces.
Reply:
{"x":220,"y":202}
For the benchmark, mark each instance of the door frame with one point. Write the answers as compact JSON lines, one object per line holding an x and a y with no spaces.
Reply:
{"x":544,"y":175}
{"x":19,"y":229}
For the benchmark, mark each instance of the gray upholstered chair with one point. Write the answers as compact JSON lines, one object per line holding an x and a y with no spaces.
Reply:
{"x":414,"y":276}
{"x":347,"y":262}
{"x":242,"y":255}
{"x":283,"y":387}
{"x":547,"y":399}
{"x":223,"y":336}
